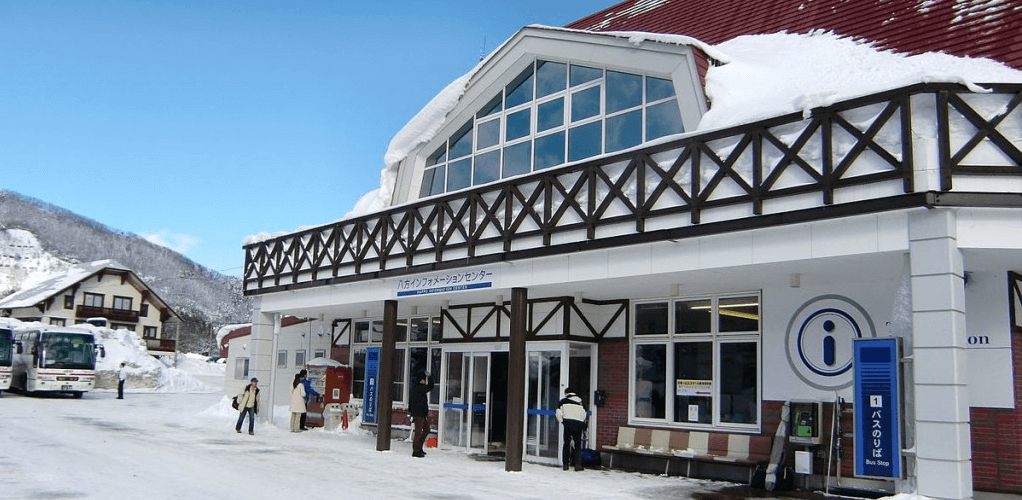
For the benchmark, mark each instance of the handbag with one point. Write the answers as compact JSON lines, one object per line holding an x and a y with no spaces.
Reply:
{"x":234,"y":403}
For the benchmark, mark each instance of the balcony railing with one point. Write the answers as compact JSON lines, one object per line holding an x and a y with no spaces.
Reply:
{"x":921,"y":145}
{"x":126,"y":315}
{"x":163,"y":345}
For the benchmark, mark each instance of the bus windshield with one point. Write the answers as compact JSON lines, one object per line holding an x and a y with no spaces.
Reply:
{"x":68,"y":350}
{"x":5,"y":347}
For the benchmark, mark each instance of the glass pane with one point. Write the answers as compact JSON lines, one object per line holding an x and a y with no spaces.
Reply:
{"x":585,"y":141}
{"x":420,"y":329}
{"x":487,"y":168}
{"x":550,"y":77}
{"x":739,"y":314}
{"x":491,"y":107}
{"x":624,"y":91}
{"x":358,"y":372}
{"x":361,"y":333}
{"x":550,"y":114}
{"x":650,"y":382}
{"x":455,"y":406}
{"x":651,"y":318}
{"x":461,"y":141}
{"x":693,"y":374}
{"x":376,"y":335}
{"x":542,"y":438}
{"x":692,"y":316}
{"x":438,"y":156}
{"x":518,"y":125}
{"x":418,"y":362}
{"x":398,"y":382}
{"x":401,"y":330}
{"x":435,"y":355}
{"x":583,"y":74}
{"x":488,"y":134}
{"x":624,"y":131}
{"x":438,"y":329}
{"x":663,"y":119}
{"x":432,"y":181}
{"x":520,"y":89}
{"x":658,"y":88}
{"x":480,"y":400}
{"x":739,"y":372}
{"x":459,"y":175}
{"x":517,"y":159}
{"x":585,"y":103}
{"x":549,"y":150}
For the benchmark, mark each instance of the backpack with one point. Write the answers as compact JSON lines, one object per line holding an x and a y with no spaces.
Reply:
{"x":234,"y":403}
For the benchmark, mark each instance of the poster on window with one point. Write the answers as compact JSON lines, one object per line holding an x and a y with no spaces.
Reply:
{"x":693,"y":388}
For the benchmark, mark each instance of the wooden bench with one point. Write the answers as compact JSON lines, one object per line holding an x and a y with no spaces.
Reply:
{"x":710,"y":455}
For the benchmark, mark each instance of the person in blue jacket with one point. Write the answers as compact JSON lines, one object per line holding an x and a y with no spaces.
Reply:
{"x":309,"y":393}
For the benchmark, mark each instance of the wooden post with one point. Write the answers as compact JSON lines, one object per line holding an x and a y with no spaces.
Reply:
{"x":516,"y":380}
{"x":386,"y":377}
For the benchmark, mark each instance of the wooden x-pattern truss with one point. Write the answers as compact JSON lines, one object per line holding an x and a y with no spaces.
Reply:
{"x":666,"y":190}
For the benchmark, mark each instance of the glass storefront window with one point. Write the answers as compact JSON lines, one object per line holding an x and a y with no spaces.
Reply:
{"x":711,"y":354}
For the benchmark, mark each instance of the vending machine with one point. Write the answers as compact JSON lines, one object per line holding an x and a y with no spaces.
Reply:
{"x":334,"y":383}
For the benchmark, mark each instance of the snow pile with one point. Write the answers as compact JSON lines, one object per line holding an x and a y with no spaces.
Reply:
{"x":776,"y":74}
{"x":145,"y":372}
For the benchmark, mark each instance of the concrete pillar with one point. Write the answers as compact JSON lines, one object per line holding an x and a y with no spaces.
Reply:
{"x":385,"y":391}
{"x":516,"y":380}
{"x":261,"y":361}
{"x":941,"y":392}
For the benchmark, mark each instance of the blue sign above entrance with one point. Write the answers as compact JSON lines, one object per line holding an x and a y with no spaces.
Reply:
{"x":878,"y":408}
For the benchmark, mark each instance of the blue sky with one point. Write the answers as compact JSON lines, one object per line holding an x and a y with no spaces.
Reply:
{"x":199,"y":123}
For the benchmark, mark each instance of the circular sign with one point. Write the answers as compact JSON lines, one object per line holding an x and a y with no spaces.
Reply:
{"x":819,"y":340}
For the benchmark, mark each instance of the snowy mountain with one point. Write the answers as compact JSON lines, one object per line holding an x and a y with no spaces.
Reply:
{"x":38,"y":239}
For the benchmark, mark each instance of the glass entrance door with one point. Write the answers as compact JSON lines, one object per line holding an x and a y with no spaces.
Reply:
{"x":553,"y":367}
{"x":475,"y":401}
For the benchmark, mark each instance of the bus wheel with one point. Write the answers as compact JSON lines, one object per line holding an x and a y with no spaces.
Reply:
{"x":77,"y":394}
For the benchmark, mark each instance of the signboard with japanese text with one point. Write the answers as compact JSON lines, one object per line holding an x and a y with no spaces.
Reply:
{"x":877,"y":407}
{"x":702,"y":388}
{"x":371,"y":383}
{"x":454,"y":281}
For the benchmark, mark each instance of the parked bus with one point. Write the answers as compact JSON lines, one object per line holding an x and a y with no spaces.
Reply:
{"x":55,"y":359}
{"x":6,"y":355}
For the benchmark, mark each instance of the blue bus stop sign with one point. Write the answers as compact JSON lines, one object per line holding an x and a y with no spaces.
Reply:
{"x":371,"y":383}
{"x":877,"y":407}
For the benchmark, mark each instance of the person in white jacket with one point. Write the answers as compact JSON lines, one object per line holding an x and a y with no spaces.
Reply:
{"x":572,"y":414}
{"x":297,"y":404}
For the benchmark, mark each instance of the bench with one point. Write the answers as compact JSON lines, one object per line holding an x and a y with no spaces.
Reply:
{"x":710,"y":455}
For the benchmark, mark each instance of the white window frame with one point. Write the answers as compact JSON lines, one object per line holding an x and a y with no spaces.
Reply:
{"x":669,"y":339}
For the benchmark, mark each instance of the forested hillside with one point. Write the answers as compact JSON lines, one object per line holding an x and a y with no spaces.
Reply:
{"x":204,"y":298}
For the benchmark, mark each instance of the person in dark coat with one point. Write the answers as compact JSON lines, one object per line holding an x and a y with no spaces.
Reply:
{"x":418,"y":408}
{"x":572,"y":414}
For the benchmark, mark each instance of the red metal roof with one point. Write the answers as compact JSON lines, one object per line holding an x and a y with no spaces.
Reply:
{"x":974,"y":28}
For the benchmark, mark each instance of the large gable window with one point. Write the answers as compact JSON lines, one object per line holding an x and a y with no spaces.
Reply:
{"x":550,"y":114}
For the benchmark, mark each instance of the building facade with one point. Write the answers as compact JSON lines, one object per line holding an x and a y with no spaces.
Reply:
{"x":102,"y":292}
{"x":562,"y":229}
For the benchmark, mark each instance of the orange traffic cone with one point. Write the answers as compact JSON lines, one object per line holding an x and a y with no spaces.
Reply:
{"x":344,"y":420}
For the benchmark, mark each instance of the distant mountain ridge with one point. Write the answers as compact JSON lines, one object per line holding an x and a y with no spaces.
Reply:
{"x":204,"y":298}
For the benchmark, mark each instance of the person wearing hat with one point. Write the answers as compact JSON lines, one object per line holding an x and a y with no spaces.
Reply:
{"x":418,"y":409}
{"x":572,"y":414}
{"x":248,"y":404}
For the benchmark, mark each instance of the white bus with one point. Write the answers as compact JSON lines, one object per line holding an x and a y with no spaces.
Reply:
{"x":6,"y":355}
{"x":55,"y":359}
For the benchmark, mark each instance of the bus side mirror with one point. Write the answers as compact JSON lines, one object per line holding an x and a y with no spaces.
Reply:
{"x":102,"y":350}
{"x":20,"y":348}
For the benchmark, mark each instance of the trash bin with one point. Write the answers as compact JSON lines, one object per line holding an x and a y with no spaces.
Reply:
{"x":332,"y":416}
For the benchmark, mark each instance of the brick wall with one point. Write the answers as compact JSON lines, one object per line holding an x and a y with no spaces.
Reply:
{"x":997,"y":438}
{"x":613,"y":380}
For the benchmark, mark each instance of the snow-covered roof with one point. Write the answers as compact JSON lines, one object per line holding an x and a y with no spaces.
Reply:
{"x":59,"y":282}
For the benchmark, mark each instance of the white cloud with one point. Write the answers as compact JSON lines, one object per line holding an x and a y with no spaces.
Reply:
{"x":179,"y":243}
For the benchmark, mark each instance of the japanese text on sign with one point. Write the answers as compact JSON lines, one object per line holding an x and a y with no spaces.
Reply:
{"x":877,"y":407}
{"x":445,"y":282}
